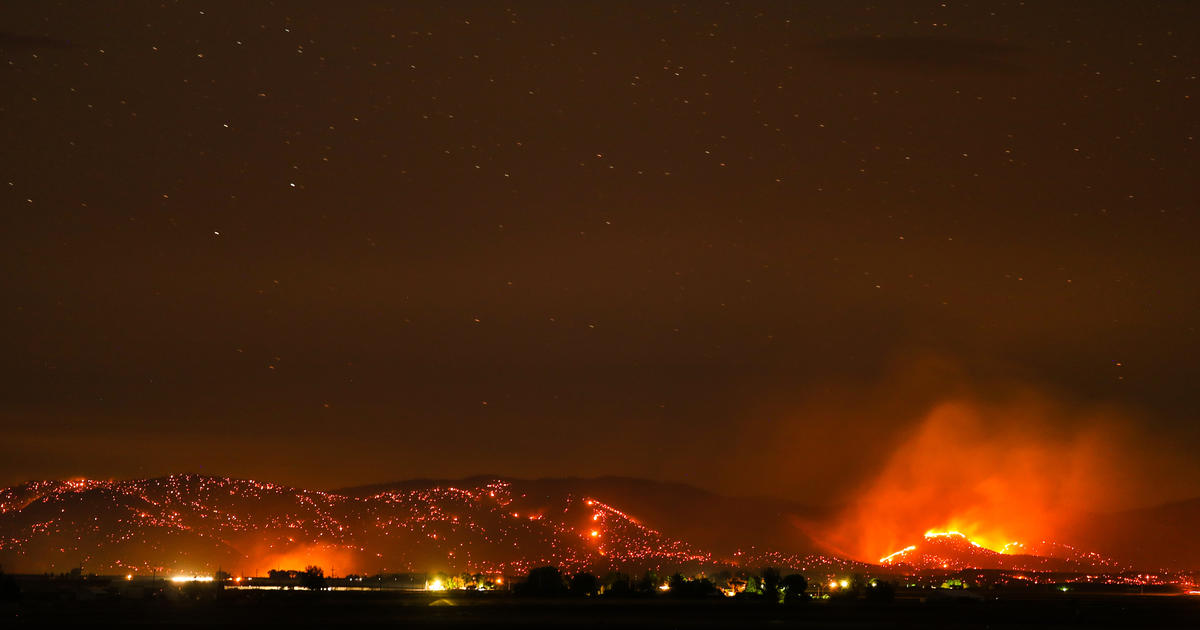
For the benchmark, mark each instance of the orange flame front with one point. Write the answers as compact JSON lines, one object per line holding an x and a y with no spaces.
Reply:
{"x":992,"y":475}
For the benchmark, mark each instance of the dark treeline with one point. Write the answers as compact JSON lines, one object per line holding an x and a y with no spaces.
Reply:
{"x":769,"y":585}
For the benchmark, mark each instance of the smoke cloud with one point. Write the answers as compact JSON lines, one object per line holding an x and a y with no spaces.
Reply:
{"x":1022,"y":470}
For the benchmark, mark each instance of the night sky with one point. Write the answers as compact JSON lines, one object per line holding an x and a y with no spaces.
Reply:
{"x":739,"y":245}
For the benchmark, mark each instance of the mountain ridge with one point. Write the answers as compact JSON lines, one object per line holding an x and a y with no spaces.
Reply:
{"x":193,"y":522}
{"x":696,"y":514}
{"x":485,"y":521}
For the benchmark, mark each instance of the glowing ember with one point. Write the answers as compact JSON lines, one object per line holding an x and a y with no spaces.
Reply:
{"x":892,"y":556}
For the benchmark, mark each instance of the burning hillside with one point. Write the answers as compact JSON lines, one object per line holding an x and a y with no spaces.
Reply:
{"x":193,"y":523}
{"x":198,"y":523}
{"x":954,"y":550}
{"x":995,"y":473}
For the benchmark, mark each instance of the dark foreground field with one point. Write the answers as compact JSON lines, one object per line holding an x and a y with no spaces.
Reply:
{"x":270,"y":609}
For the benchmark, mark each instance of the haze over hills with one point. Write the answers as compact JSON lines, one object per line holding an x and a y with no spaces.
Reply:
{"x":1160,"y":536}
{"x":195,"y":523}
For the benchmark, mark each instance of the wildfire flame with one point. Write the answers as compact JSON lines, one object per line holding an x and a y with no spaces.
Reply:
{"x":942,"y":534}
{"x":891,"y":557}
{"x":975,"y":541}
{"x":990,"y":475}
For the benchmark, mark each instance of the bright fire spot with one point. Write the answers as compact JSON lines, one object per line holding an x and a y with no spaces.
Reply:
{"x":976,"y":541}
{"x":191,"y":578}
{"x":665,"y":587}
{"x":892,"y":556}
{"x":435,"y":585}
{"x":934,"y":535}
{"x":595,"y":533}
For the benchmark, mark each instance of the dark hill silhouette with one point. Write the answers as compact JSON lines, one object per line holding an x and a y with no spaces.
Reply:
{"x":717,"y":522}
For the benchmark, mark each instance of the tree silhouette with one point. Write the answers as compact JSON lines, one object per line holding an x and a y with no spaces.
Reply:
{"x":313,"y":578}
{"x":676,"y":583}
{"x":881,"y":592}
{"x":618,"y":585}
{"x":648,"y":583}
{"x":770,"y":584}
{"x":584,"y":584}
{"x":682,"y":587}
{"x":794,"y":586}
{"x":543,"y":582}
